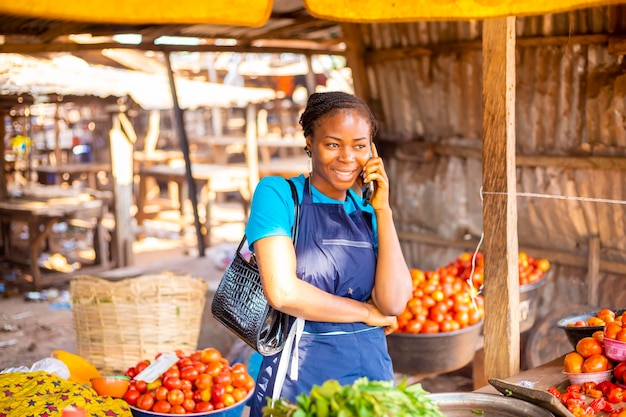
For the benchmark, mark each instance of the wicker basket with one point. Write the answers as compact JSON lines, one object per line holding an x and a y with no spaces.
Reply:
{"x":119,"y":323}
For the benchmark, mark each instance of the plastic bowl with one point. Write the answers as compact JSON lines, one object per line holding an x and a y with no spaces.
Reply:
{"x":615,"y":350}
{"x":234,"y":410}
{"x":433,"y":353}
{"x":574,"y":334}
{"x":582,"y":377}
{"x":114,"y":386}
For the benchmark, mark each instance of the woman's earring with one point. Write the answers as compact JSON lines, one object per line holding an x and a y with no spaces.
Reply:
{"x":308,"y":151}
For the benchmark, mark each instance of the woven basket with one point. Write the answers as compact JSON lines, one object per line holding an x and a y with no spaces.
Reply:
{"x":119,"y":323}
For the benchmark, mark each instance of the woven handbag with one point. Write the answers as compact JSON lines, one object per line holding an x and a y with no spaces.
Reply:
{"x":240,"y":305}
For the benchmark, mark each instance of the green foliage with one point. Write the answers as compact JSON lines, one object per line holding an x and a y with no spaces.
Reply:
{"x":363,"y":398}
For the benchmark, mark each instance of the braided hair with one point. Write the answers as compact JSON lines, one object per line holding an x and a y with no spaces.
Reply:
{"x":322,"y":104}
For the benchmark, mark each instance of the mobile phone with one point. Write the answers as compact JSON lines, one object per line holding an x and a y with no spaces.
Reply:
{"x":368,"y":190}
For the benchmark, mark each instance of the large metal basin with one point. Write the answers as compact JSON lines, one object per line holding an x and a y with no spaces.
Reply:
{"x":472,"y":404}
{"x":433,"y":353}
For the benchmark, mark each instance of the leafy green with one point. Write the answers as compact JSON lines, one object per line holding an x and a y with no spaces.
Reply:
{"x":363,"y":398}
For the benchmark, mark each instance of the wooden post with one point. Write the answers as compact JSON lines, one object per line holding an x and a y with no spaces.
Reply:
{"x":184,"y":145}
{"x":593,"y":270}
{"x":4,"y":192}
{"x":252,"y":153}
{"x":122,"y":173}
{"x":354,"y":58}
{"x":502,"y":331}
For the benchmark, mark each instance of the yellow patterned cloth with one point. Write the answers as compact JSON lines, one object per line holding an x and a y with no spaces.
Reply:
{"x":41,"y":394}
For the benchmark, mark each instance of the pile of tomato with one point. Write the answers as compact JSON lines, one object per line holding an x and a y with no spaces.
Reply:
{"x":531,"y":269}
{"x":589,"y":399}
{"x":200,"y":382}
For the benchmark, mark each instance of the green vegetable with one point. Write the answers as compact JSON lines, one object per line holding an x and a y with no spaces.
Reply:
{"x":363,"y":398}
{"x":478,"y":412}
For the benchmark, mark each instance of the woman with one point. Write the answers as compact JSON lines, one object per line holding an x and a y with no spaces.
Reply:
{"x":346,"y":278}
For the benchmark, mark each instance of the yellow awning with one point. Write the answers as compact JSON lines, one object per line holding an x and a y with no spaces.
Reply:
{"x":381,"y":11}
{"x":219,"y":12}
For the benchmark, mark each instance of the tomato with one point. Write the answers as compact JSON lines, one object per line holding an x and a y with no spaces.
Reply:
{"x":210,"y":355}
{"x":228,"y":400}
{"x":186,"y":385}
{"x":205,"y":380}
{"x":214,"y":368}
{"x":189,"y":404}
{"x":223,"y":378}
{"x":250,"y":383}
{"x":200,"y":366}
{"x":238,"y":394}
{"x":154,"y":384}
{"x":184,"y":362}
{"x":238,"y":367}
{"x":131,"y":396}
{"x":172,"y":371}
{"x":616,"y":395}
{"x":621,"y":335}
{"x":189,"y":373}
{"x":161,"y":406}
{"x":160,"y":394}
{"x":217,"y":394}
{"x":202,"y":407}
{"x":175,"y":397}
{"x":588,"y":346}
{"x":595,"y":363}
{"x":141,"y":386}
{"x":142,"y":365}
{"x":619,"y":370}
{"x":172,"y":382}
{"x":430,"y":327}
{"x":178,"y":409}
{"x":131,"y":372}
{"x":196,"y":356}
{"x":611,"y":329}
{"x":145,"y":402}
{"x":573,"y":363}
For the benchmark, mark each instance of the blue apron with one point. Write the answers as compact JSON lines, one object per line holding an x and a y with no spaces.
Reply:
{"x":334,"y":252}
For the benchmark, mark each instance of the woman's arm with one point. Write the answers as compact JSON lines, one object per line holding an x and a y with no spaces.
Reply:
{"x":393,"y":286}
{"x":276,"y":259}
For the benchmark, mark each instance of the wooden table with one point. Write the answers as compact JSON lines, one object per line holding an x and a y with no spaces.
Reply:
{"x":41,"y":208}
{"x":213,"y":177}
{"x":89,"y":169}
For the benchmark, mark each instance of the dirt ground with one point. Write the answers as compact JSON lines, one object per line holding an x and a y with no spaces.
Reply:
{"x":32,"y":330}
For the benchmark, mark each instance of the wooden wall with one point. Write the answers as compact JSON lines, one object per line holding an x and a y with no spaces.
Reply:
{"x":424,"y":83}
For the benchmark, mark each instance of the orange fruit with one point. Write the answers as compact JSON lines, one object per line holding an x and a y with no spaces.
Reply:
{"x":573,"y":363}
{"x":588,"y":346}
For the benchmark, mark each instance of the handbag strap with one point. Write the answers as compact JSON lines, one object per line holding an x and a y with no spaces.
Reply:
{"x":296,"y":218}
{"x":296,"y":213}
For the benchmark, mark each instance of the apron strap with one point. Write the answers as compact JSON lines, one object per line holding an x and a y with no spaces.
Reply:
{"x":290,"y":351}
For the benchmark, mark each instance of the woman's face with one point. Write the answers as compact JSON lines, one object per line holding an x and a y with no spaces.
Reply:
{"x":340,"y":147}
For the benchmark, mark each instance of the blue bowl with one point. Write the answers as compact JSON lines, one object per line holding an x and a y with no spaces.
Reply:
{"x":234,"y":410}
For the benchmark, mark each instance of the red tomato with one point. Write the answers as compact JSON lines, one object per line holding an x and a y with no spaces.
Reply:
{"x":238,"y":367}
{"x":186,"y":385}
{"x":217,"y":394}
{"x":178,"y":409}
{"x":160,"y":394}
{"x":145,"y":401}
{"x":205,"y":380}
{"x":202,"y":407}
{"x":161,"y":406}
{"x":131,"y":396}
{"x":189,"y":404}
{"x":142,"y":365}
{"x":141,"y":386}
{"x":619,"y":370}
{"x":172,"y":382}
{"x":175,"y":397}
{"x":172,"y":371}
{"x":200,"y":366}
{"x":210,"y":355}
{"x":214,"y":368}
{"x":223,"y":378}
{"x":595,"y":363}
{"x":189,"y":373}
{"x":616,"y":395}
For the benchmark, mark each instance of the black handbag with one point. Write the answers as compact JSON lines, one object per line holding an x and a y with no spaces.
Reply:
{"x":240,"y":305}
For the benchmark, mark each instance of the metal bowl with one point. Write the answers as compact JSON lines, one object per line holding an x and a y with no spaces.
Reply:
{"x":574,"y":334}
{"x":471,"y":404}
{"x":433,"y":353}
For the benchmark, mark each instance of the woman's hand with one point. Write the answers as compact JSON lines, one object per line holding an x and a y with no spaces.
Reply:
{"x":374,"y":170}
{"x":377,"y":318}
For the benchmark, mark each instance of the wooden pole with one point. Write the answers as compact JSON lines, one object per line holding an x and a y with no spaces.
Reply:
{"x":252,"y":153}
{"x":502,"y":331}
{"x":4,"y":192}
{"x":593,"y":273}
{"x":184,"y":145}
